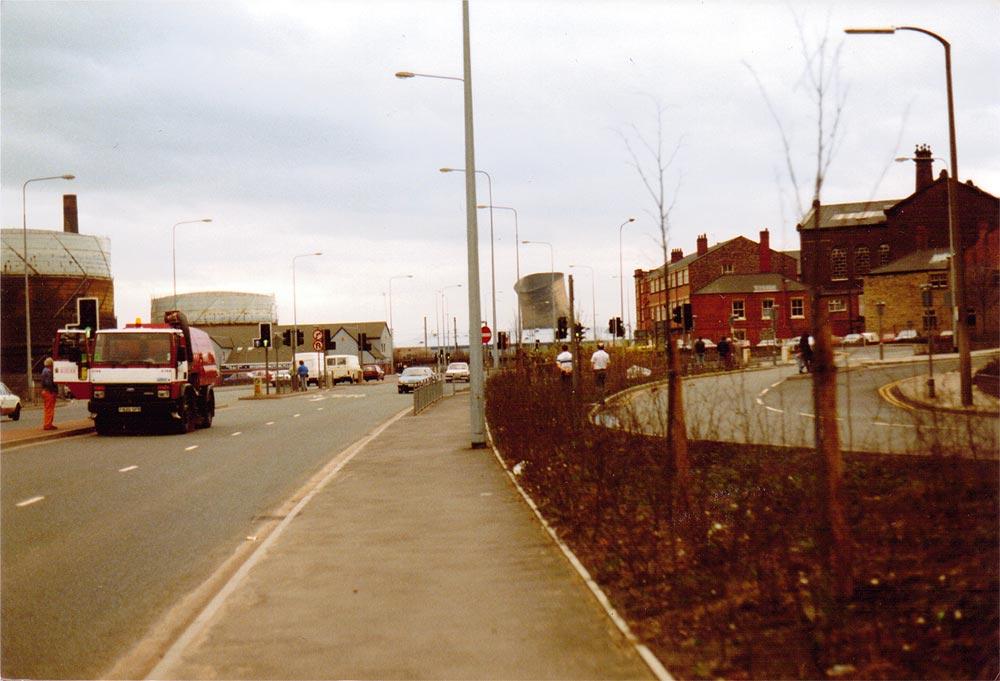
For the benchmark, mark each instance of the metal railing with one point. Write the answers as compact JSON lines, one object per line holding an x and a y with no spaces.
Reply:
{"x":427,"y":394}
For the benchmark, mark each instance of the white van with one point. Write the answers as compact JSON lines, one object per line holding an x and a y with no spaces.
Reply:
{"x":311,"y":360}
{"x":343,"y":368}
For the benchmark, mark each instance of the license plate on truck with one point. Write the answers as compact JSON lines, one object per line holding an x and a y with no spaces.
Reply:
{"x":129,"y":410}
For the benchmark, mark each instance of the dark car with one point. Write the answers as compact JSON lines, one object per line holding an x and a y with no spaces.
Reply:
{"x":373,"y":372}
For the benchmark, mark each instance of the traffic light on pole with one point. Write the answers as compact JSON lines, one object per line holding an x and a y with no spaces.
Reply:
{"x":677,"y":314}
{"x":688,"y":316}
{"x":619,"y":327}
{"x":578,"y":331}
{"x":562,"y":328}
{"x":286,"y":337}
{"x":299,"y":337}
{"x":264,"y":334}
{"x":328,"y":340}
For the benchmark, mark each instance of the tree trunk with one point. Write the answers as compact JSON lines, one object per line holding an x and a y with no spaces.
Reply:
{"x":677,"y":441}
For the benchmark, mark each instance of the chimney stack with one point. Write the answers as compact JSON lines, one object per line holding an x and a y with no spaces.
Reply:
{"x":702,"y":244}
{"x":925,"y":166}
{"x":765,"y":251}
{"x":71,"y":223}
{"x":676,"y":254}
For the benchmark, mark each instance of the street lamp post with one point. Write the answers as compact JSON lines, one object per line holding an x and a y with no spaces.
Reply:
{"x":30,"y":384}
{"x":295,"y":308}
{"x":477,"y":403}
{"x":443,"y":328}
{"x":517,"y":259}
{"x":954,"y":233}
{"x":593,"y":295}
{"x":621,"y":278}
{"x":880,"y":308}
{"x":552,"y":283}
{"x":173,"y":249}
{"x":392,"y":331}
{"x":494,"y":354}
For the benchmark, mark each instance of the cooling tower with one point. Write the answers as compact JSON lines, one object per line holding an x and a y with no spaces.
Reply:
{"x":542,"y":299}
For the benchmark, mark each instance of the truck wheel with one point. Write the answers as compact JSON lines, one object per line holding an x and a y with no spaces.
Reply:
{"x":208,"y":410}
{"x":188,"y":412}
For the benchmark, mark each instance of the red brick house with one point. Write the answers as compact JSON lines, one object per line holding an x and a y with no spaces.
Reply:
{"x":751,"y":307}
{"x":655,"y":295}
{"x":851,"y":239}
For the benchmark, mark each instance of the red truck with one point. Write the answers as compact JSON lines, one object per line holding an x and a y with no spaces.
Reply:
{"x":141,"y":373}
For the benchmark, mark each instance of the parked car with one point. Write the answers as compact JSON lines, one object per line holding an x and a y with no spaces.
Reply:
{"x":373,"y":372}
{"x":869,"y":336}
{"x":414,"y":377}
{"x":457,"y":371}
{"x":907,"y":335}
{"x":854,"y":339}
{"x":10,"y":404}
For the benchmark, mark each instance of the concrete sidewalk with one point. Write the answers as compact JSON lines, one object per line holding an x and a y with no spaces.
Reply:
{"x":418,"y":560}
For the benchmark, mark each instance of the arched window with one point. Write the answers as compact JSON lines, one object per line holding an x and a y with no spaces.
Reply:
{"x":883,"y":254}
{"x":838,"y":263}
{"x":862,"y":260}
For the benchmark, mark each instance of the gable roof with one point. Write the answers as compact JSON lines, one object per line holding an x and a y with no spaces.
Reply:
{"x":688,"y":259}
{"x":926,"y":260}
{"x":751,"y":283}
{"x":855,"y":214}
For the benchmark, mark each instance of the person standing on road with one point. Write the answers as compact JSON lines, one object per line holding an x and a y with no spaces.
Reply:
{"x":564,"y":361}
{"x":805,"y":353}
{"x":599,"y":362}
{"x":303,"y":372}
{"x":723,"y":349}
{"x":699,"y":352}
{"x":49,"y":392}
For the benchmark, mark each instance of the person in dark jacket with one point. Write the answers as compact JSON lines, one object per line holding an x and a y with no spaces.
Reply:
{"x":49,"y":392}
{"x":805,"y":353}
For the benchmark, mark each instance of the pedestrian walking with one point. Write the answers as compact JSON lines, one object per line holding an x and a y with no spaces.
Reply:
{"x":303,"y":373}
{"x":564,"y":361}
{"x":599,"y":362}
{"x":805,"y":354}
{"x":724,"y":350}
{"x":49,"y":392}
{"x":699,"y":352}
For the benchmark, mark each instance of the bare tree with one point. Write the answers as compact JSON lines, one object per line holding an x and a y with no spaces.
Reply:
{"x":653,"y":176}
{"x":819,"y":80}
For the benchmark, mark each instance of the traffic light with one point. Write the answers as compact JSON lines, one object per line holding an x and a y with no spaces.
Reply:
{"x":612,"y":326}
{"x":619,"y":327}
{"x":86,"y":314}
{"x":264,"y":334}
{"x":677,"y":314}
{"x":578,"y":331}
{"x":502,"y":340}
{"x":363,"y":342}
{"x":562,"y":328}
{"x":328,"y":342}
{"x":688,"y":316}
{"x":286,"y":337}
{"x":299,"y":337}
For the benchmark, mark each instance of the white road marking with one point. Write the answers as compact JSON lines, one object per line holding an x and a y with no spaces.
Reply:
{"x":764,"y":391}
{"x":238,"y":432}
{"x":775,"y":385}
{"x":760,"y":402}
{"x":188,"y":449}
{"x":127,"y":469}
{"x":808,"y":416}
{"x":775,"y":410}
{"x":29,"y":502}
{"x":269,"y":423}
{"x":295,"y":416}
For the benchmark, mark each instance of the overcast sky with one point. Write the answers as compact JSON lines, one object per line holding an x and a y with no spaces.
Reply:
{"x":284,"y":124}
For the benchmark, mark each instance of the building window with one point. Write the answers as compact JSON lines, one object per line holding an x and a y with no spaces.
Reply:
{"x":798,"y":308}
{"x":862,"y":260}
{"x":837,"y":305}
{"x":930,"y":319}
{"x":684,"y":277}
{"x":938,"y":280}
{"x":883,"y":254}
{"x":766,"y":308}
{"x":727,"y":268}
{"x":838,"y":264}
{"x":739,"y":310}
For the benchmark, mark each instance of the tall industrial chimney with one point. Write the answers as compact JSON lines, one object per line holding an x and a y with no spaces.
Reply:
{"x":71,"y":223}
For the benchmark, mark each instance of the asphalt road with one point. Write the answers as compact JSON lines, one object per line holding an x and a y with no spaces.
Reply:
{"x":774,"y":406}
{"x":101,"y":535}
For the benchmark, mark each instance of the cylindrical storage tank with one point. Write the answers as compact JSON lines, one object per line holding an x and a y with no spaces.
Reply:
{"x":218,"y":308}
{"x":62,"y":267}
{"x":542,"y":299}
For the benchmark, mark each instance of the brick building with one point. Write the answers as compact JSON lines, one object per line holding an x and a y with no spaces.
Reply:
{"x":900,"y":286}
{"x":655,"y":294}
{"x":852,"y":239}
{"x":751,"y":307}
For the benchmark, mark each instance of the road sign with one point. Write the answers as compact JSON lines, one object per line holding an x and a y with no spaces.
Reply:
{"x":318,"y":344}
{"x":487,"y":334}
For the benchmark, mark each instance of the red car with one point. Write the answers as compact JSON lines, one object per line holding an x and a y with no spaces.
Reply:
{"x":373,"y":372}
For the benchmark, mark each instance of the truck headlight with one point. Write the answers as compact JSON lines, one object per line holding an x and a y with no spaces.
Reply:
{"x":99,"y":392}
{"x":163,"y":392}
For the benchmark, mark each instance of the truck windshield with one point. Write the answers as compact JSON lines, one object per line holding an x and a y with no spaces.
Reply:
{"x":146,"y":349}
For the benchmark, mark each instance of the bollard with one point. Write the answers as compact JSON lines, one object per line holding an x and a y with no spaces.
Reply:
{"x":256,"y":386}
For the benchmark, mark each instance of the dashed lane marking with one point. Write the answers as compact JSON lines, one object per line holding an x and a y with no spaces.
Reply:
{"x":29,"y":502}
{"x":192,"y":447}
{"x":775,"y":409}
{"x":238,"y":432}
{"x":295,"y":416}
{"x":269,"y":423}
{"x":127,"y":469}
